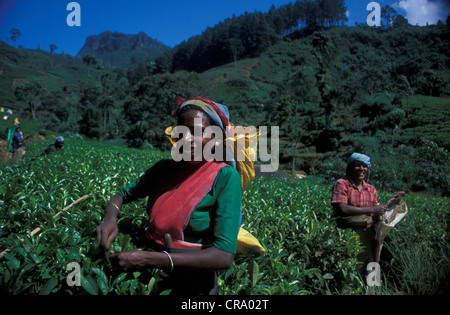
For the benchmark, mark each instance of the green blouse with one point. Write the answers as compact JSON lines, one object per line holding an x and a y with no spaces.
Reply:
{"x":215,"y":220}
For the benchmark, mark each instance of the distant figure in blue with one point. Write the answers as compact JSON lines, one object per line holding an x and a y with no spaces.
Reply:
{"x":59,"y":143}
{"x":18,"y":143}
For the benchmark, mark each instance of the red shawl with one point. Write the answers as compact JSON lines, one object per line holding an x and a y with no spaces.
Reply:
{"x":172,"y":210}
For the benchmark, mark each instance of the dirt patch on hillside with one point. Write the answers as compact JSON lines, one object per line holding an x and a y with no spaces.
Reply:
{"x":250,"y":68}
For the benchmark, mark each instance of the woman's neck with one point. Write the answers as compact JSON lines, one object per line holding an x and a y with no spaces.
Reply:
{"x":358,"y":182}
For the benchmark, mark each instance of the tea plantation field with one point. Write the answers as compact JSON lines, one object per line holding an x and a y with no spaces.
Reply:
{"x":305,"y":252}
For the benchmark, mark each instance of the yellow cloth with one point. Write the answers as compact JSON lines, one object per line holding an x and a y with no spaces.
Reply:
{"x":248,"y":244}
{"x":245,"y":144}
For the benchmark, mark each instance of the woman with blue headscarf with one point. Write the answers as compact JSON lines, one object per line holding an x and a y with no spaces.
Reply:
{"x":355,"y":203}
{"x":194,"y":208}
{"x":56,"y":146}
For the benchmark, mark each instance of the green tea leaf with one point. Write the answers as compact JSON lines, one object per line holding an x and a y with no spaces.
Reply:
{"x":48,"y":286}
{"x":124,"y":242}
{"x":328,"y":276}
{"x":150,"y":285}
{"x":102,"y":280}
{"x":254,"y":271}
{"x":89,"y":284}
{"x":14,"y":262}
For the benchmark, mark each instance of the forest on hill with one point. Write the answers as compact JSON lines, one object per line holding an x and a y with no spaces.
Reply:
{"x":250,"y":34}
{"x":332,"y":90}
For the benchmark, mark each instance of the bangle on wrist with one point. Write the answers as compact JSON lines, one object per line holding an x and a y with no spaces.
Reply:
{"x":171,"y":261}
{"x":114,"y":205}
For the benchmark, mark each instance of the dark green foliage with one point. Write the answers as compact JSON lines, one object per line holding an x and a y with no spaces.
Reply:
{"x":383,"y":117}
{"x":331,"y":89}
{"x":249,"y":35}
{"x":378,"y":91}
{"x":147,"y":108}
{"x":420,"y":249}
{"x":383,"y":112}
{"x":426,"y":117}
{"x":34,"y":191}
{"x":305,"y":252}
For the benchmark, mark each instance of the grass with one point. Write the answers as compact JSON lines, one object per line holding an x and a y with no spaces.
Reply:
{"x":419,"y":247}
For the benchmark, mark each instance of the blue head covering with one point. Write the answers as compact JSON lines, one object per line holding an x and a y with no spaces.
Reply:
{"x":359,"y":157}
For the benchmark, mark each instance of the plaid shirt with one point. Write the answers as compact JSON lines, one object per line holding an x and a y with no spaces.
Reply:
{"x":345,"y":191}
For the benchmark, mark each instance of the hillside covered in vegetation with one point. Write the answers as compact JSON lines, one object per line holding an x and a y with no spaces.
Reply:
{"x":118,"y":50}
{"x":332,"y":90}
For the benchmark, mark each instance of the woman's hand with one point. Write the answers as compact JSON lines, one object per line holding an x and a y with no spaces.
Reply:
{"x":106,"y":233}
{"x":353,"y":210}
{"x":380,"y":210}
{"x":131,"y":259}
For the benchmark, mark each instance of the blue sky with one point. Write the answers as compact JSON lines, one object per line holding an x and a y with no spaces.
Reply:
{"x":169,"y":21}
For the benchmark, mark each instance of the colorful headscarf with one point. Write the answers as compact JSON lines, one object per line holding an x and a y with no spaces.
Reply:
{"x":219,"y":113}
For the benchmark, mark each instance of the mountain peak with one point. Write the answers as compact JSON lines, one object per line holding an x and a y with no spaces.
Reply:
{"x":122,"y":50}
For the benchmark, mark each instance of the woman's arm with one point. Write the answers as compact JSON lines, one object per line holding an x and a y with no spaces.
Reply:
{"x":107,"y":231}
{"x":210,"y":259}
{"x":346,"y":209}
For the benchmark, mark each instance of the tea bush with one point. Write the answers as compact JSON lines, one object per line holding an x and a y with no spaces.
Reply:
{"x":305,"y":252}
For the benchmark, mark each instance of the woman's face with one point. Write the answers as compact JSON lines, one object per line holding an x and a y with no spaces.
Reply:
{"x":359,"y":171}
{"x":196,"y":122}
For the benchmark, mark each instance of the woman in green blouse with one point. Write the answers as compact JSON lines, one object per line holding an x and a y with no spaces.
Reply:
{"x":197,"y":203}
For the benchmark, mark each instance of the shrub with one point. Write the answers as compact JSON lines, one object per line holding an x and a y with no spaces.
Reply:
{"x":305,"y":252}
